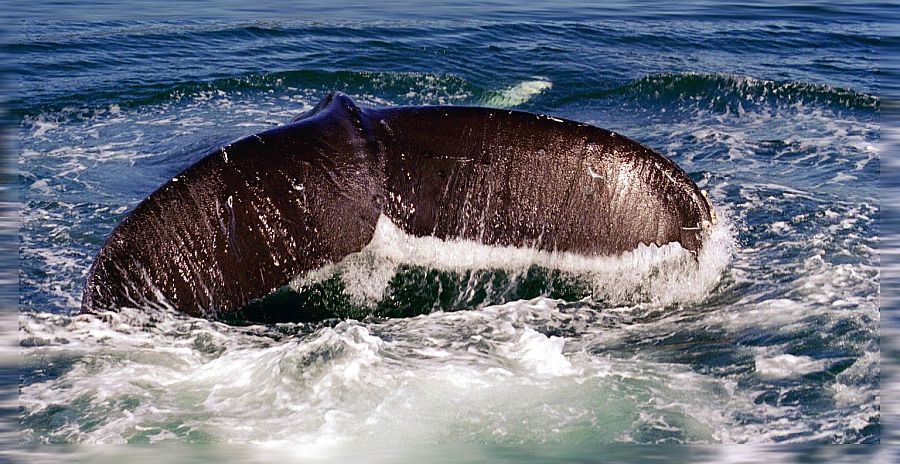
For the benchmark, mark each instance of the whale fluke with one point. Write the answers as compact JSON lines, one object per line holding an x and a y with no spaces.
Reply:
{"x":254,"y":214}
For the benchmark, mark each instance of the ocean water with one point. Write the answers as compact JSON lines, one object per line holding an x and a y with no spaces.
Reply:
{"x":774,"y":338}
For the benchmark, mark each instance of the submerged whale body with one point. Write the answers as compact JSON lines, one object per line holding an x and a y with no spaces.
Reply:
{"x":253,"y":215}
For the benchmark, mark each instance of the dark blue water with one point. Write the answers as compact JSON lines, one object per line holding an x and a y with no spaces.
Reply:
{"x":429,"y":10}
{"x":775,"y":110}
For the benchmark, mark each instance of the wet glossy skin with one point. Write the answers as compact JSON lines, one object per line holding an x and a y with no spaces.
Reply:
{"x":251,"y":216}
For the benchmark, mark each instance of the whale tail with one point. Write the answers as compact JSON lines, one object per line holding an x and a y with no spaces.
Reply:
{"x":254,"y":214}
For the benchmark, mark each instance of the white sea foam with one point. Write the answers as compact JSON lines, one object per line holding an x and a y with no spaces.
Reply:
{"x":539,"y":353}
{"x":459,"y":376}
{"x":517,"y":94}
{"x":171,"y":377}
{"x":661,"y":275}
{"x":787,"y":365}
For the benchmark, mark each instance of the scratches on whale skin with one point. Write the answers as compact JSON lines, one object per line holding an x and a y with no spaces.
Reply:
{"x":222,"y":227}
{"x":229,"y":206}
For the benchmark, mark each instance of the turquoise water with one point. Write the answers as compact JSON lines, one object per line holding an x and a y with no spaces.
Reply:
{"x":773,"y":110}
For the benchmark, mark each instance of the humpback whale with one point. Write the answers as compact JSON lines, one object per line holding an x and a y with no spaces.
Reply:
{"x":252,"y":215}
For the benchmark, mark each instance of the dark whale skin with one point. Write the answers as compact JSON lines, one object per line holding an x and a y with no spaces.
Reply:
{"x":253,"y":215}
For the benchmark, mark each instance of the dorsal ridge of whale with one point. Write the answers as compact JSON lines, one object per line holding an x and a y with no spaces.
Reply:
{"x":253,"y":215}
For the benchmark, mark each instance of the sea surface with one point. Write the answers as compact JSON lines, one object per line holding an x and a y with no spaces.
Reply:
{"x":774,"y":111}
